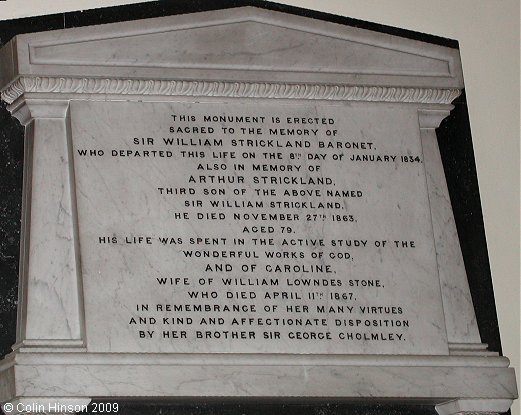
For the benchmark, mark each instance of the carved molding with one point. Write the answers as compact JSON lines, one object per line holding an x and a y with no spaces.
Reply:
{"x":26,"y":110}
{"x":62,"y":85}
{"x":431,"y":118}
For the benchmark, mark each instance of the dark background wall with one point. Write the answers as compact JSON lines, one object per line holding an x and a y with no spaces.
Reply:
{"x":458,"y":158}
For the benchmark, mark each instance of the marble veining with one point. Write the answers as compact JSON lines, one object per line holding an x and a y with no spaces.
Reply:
{"x":105,"y":243}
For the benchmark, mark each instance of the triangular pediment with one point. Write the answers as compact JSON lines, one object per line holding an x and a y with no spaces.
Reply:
{"x":246,"y":43}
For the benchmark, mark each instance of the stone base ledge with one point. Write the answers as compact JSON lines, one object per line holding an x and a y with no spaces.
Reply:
{"x":455,"y":385}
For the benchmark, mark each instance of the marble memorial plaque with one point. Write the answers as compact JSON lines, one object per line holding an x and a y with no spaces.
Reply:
{"x":272,"y":228}
{"x":207,"y":216}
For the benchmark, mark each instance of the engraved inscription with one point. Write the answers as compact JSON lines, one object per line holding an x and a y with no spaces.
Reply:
{"x":269,"y":228}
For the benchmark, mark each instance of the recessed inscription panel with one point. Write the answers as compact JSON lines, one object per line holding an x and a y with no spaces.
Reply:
{"x":255,"y":228}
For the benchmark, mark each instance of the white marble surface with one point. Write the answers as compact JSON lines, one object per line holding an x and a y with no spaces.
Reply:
{"x":118,"y":197}
{"x":321,"y":52}
{"x":461,"y":324}
{"x":49,"y":69}
{"x":374,"y":377}
{"x":50,"y":286}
